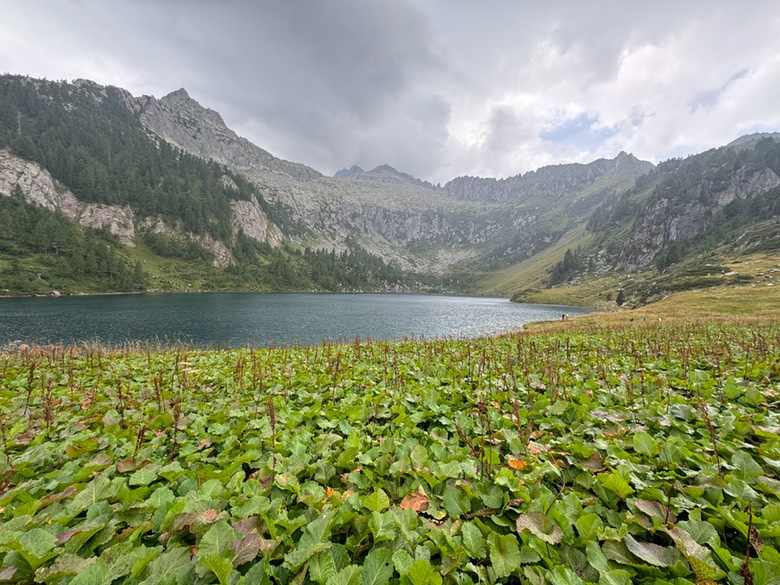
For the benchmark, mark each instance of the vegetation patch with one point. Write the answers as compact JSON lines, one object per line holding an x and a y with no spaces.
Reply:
{"x":612,"y":454}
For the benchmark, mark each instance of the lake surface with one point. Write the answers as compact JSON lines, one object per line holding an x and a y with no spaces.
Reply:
{"x":260,"y":319}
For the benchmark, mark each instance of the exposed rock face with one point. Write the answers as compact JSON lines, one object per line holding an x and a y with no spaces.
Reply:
{"x":555,"y":181}
{"x":40,"y":188}
{"x":222,"y":255}
{"x":681,"y":216}
{"x":118,"y":219}
{"x":249,"y":217}
{"x":180,"y":120}
{"x":393,"y":214}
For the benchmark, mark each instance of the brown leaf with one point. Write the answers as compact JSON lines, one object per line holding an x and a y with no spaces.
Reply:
{"x":66,"y":493}
{"x":25,"y":437}
{"x":7,"y":574}
{"x":417,"y":501}
{"x":655,"y":510}
{"x":246,"y":548}
{"x":594,"y":463}
{"x":534,"y":449}
{"x":203,"y":444}
{"x":210,"y":516}
{"x":247,"y":525}
{"x":128,"y":465}
{"x":100,"y":460}
{"x":518,"y":464}
{"x":755,"y":540}
{"x":65,"y":536}
{"x":182,"y":521}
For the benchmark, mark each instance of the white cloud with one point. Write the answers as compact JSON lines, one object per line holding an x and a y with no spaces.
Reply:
{"x":437,"y":88}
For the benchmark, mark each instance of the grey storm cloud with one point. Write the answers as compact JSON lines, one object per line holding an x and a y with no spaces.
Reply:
{"x":436,"y":88}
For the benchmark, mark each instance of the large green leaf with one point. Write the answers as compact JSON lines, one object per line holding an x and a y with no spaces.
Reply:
{"x":377,"y":568}
{"x":96,"y":573}
{"x":589,"y":526}
{"x":473,"y":541}
{"x":97,"y":490}
{"x":217,"y":540}
{"x":349,"y":575}
{"x":745,"y":467}
{"x":66,"y":565}
{"x":377,"y":501}
{"x":35,"y":546}
{"x":455,"y":501}
{"x":218,"y":565}
{"x":504,"y":553}
{"x":645,"y":444}
{"x":614,"y":482}
{"x":422,"y":573}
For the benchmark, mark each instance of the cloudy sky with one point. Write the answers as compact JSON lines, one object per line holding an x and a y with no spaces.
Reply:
{"x":436,"y":88}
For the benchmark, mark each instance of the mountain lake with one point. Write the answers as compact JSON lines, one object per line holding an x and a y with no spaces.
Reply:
{"x":216,"y":320}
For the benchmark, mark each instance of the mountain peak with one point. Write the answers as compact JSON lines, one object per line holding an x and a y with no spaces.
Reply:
{"x":350,"y":172}
{"x":754,"y":137}
{"x":384,"y":174}
{"x":179,"y":94}
{"x":385,"y":169}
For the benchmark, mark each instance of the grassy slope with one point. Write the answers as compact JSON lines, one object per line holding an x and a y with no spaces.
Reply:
{"x":758,"y":300}
{"x":531,"y":273}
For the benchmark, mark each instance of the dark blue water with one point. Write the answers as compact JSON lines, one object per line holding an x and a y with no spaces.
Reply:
{"x":259,"y":319}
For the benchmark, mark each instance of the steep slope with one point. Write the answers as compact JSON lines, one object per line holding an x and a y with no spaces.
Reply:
{"x":685,"y":200}
{"x":80,"y":150}
{"x":168,"y":176}
{"x":680,"y":226}
{"x":183,"y":122}
{"x":426,"y":229}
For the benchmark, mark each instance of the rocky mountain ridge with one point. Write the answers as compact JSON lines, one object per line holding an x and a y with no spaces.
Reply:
{"x":183,"y":122}
{"x":556,"y":180}
{"x":469,"y":226}
{"x":422,"y":227}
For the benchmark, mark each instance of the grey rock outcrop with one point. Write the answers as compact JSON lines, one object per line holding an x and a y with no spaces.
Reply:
{"x":551,"y":181}
{"x":40,"y":188}
{"x":222,"y":255}
{"x":182,"y":121}
{"x":249,"y":217}
{"x":676,"y":217}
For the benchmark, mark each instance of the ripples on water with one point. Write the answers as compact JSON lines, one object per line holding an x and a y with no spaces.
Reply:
{"x":260,"y":319}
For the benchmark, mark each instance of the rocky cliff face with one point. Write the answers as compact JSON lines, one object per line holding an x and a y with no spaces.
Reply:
{"x":393,"y":214}
{"x":676,"y":216}
{"x":249,"y":217}
{"x":40,"y":188}
{"x":180,"y":120}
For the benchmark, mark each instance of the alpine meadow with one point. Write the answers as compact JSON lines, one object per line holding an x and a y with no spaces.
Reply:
{"x":572,"y":211}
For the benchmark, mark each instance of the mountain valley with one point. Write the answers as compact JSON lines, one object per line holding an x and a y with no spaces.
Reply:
{"x":181,"y":202}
